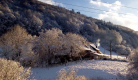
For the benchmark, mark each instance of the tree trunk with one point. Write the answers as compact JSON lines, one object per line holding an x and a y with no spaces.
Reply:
{"x":110,"y":50}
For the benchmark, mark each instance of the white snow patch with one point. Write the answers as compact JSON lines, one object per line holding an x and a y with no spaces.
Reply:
{"x":91,"y":69}
{"x":114,"y":55}
{"x":106,"y":52}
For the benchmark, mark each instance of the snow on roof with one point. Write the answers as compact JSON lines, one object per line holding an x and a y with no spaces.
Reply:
{"x":94,"y":53}
{"x":85,"y":48}
{"x":92,"y":45}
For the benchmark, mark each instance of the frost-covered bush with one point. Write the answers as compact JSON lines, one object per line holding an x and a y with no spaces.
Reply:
{"x":17,"y":45}
{"x":53,"y":42}
{"x":27,"y":57}
{"x":123,"y":50}
{"x":75,"y":43}
{"x":47,"y":44}
{"x":133,"y":67}
{"x":69,"y":75}
{"x":12,"y":42}
{"x":11,"y":70}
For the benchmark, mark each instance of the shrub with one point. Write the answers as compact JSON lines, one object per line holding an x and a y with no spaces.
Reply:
{"x":12,"y":41}
{"x":133,"y":66}
{"x":47,"y":44}
{"x":69,"y":75}
{"x":75,"y":43}
{"x":11,"y":70}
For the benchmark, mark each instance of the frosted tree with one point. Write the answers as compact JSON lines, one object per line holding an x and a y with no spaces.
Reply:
{"x":28,"y":57}
{"x":123,"y":50}
{"x":11,"y":70}
{"x":12,"y":41}
{"x":47,"y":45}
{"x":133,"y":66}
{"x":6,"y":51}
{"x":113,"y":36}
{"x":128,"y":52}
{"x":75,"y":43}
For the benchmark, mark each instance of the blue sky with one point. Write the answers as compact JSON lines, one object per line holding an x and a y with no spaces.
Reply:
{"x":108,"y":10}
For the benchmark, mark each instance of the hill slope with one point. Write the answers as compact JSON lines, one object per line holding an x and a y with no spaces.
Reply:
{"x":107,"y":70}
{"x":36,"y":16}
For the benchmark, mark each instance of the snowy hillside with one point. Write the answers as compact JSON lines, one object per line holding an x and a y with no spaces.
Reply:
{"x":107,"y":70}
{"x":114,"y":55}
{"x":107,"y":53}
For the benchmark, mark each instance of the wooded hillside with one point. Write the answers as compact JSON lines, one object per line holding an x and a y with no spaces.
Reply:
{"x":36,"y":17}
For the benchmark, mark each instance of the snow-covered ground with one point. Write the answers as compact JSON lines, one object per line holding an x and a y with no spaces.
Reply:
{"x":91,"y":69}
{"x":107,"y":53}
{"x":114,"y":55}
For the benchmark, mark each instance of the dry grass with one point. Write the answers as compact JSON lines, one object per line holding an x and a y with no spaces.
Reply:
{"x":11,"y":70}
{"x":69,"y":75}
